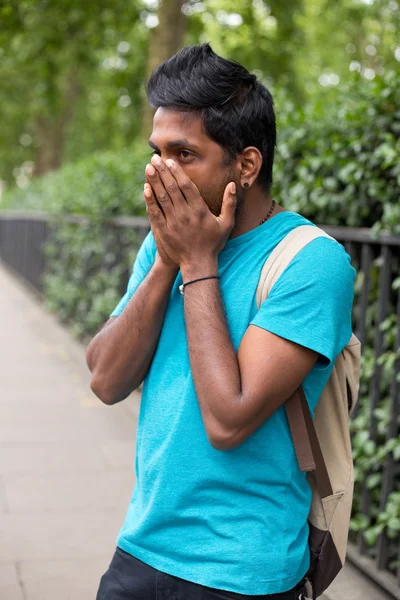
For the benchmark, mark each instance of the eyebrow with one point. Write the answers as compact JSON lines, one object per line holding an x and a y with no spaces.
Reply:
{"x":175,"y":144}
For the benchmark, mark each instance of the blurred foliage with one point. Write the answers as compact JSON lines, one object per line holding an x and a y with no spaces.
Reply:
{"x":88,"y":265}
{"x":339,"y":163}
{"x":100,"y":186}
{"x":72,"y":74}
{"x":68,"y":72}
{"x":264,"y":37}
{"x":344,"y":37}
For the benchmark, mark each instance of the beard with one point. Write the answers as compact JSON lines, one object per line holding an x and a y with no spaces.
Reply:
{"x":213,"y":196}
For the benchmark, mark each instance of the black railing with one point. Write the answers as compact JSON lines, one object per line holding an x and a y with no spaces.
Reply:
{"x":22,"y":237}
{"x":377,"y":261}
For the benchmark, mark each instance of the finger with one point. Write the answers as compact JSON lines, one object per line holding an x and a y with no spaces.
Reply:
{"x":154,"y":212}
{"x":228,"y":209}
{"x":154,"y":196}
{"x":188,"y":188}
{"x":169,"y":182}
{"x":159,"y":190}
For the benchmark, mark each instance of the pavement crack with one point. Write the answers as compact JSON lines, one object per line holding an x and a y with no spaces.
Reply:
{"x":20,"y":581}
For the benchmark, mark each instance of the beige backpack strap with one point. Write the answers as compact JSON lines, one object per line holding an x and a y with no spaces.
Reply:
{"x":308,"y":450}
{"x":282,"y":255}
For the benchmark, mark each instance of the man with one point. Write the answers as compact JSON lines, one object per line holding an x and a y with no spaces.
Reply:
{"x":219,"y":509}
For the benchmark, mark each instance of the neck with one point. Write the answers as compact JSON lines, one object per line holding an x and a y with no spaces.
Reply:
{"x":253,"y":209}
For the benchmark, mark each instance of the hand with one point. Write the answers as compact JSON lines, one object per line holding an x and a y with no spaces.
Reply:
{"x":187,"y":229}
{"x":161,"y":255}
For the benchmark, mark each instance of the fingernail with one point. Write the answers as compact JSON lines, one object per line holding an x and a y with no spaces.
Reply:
{"x":147,"y":192}
{"x":170,"y":163}
{"x":150,"y":170}
{"x":233,"y":188}
{"x":156,"y":159}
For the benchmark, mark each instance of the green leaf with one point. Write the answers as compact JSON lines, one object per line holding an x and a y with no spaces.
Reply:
{"x":373,"y":480}
{"x":371,"y":535}
{"x":369,"y":448}
{"x":394,"y":524}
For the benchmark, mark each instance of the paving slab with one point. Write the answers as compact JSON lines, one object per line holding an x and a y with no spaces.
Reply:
{"x":351,"y":584}
{"x":63,"y":580}
{"x":3,"y":499}
{"x":64,"y":535}
{"x":36,"y":493}
{"x":52,"y":458}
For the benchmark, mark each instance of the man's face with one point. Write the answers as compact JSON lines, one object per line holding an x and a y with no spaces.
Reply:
{"x":179,"y":135}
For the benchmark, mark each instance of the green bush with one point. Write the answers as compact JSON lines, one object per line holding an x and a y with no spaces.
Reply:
{"x":88,"y":265}
{"x":100,"y":186}
{"x":339,"y":165}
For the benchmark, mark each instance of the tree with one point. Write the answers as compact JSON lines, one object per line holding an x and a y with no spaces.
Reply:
{"x":166,"y":40}
{"x":343,"y":38}
{"x":50,"y":50}
{"x":264,"y":37}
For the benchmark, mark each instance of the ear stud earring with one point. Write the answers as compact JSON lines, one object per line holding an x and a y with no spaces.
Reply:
{"x":245,"y":185}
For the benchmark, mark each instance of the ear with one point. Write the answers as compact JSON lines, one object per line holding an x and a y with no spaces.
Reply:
{"x":250,"y":164}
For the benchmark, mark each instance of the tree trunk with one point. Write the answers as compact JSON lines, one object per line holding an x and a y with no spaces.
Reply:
{"x":51,"y":131}
{"x":166,"y":40}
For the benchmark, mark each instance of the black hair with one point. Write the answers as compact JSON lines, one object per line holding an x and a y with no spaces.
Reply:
{"x":236,"y":110}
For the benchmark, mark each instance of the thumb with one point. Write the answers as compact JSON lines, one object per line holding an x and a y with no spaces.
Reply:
{"x":229,"y":203}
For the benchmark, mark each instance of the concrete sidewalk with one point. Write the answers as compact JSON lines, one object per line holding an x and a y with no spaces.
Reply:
{"x":66,"y":462}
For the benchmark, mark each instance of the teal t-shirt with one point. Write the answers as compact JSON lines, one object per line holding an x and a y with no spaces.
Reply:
{"x":235,"y":520}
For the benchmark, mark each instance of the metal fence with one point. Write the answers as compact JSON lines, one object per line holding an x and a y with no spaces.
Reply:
{"x":377,"y":261}
{"x":21,"y":244}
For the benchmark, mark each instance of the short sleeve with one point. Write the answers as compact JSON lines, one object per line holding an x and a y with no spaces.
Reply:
{"x":142,"y":265}
{"x":311,"y":302}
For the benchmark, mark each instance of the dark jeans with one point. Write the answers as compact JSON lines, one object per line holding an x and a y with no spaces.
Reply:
{"x":127,"y":578}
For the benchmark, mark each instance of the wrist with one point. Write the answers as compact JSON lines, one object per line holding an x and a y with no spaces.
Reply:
{"x":165,"y":270}
{"x":203,"y":267}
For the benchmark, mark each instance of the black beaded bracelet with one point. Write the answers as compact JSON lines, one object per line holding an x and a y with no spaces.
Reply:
{"x":182,"y":287}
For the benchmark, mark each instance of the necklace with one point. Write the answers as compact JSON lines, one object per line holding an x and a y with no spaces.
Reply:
{"x":271,"y":210}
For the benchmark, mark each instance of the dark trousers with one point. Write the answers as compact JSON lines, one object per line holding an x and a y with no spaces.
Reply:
{"x":127,"y":578}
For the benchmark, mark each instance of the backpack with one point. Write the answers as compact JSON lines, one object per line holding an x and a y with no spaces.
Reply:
{"x":323,"y":447}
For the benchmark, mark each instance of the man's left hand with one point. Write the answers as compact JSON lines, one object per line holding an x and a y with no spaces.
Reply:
{"x":188,"y":229}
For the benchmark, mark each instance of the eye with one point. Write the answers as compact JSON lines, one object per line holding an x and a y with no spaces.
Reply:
{"x":185,"y":155}
{"x":156,"y":152}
